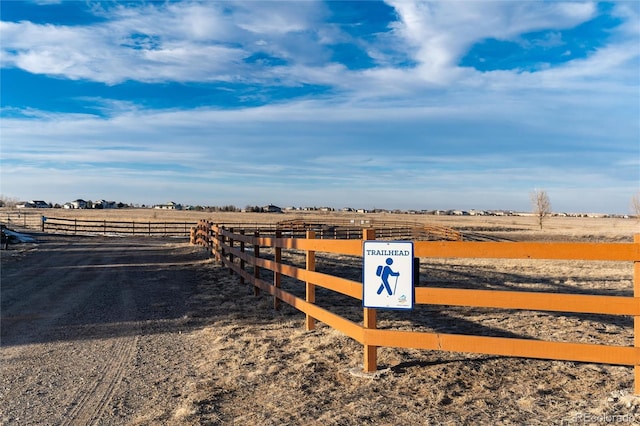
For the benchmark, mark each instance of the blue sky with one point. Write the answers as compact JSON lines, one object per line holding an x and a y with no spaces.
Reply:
{"x":398,"y":104}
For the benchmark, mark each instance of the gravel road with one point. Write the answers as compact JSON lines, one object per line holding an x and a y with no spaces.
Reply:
{"x":95,"y":330}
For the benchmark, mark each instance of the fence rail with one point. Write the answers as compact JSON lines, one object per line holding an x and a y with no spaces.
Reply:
{"x":353,"y":228}
{"x":106,"y":227}
{"x":230,"y":246}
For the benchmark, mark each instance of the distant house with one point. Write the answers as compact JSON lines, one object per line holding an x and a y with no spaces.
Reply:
{"x":34,"y":204}
{"x":78,"y":204}
{"x":169,"y":206}
{"x":271,"y":209}
{"x":104,"y":204}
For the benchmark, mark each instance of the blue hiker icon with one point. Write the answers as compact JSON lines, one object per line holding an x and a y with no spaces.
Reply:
{"x":384,"y":272}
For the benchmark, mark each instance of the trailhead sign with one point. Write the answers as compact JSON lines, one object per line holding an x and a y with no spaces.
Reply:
{"x":387,"y":275}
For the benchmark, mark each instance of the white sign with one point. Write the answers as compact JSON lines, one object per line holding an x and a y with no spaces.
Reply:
{"x":387,"y":274}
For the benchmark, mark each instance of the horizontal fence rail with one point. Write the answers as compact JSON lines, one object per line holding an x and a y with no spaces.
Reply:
{"x":133,"y":227}
{"x":241,"y":251}
{"x":106,"y":227}
{"x":353,"y":228}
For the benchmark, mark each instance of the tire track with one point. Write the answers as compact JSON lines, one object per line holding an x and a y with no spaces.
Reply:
{"x":91,"y":402}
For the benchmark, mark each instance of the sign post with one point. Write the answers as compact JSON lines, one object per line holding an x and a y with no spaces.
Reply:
{"x":388,"y":274}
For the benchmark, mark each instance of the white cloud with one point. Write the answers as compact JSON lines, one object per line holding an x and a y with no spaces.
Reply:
{"x":276,"y":18}
{"x":209,"y":41}
{"x":441,"y":32}
{"x":155,"y":43}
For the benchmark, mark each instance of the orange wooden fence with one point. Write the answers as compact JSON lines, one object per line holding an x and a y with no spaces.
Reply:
{"x":229,"y":247}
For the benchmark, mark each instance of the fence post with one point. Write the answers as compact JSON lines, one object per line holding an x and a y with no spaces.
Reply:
{"x":310,"y":265}
{"x":221,"y":242}
{"x":242,"y":263}
{"x":636,"y":319}
{"x":370,"y":352}
{"x":277,"y":276}
{"x":256,"y":268}
{"x":210,"y":240}
{"x":231,"y":241}
{"x":216,"y":243}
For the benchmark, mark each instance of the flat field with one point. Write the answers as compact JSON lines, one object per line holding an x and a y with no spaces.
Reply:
{"x":512,"y":227}
{"x":149,"y":331}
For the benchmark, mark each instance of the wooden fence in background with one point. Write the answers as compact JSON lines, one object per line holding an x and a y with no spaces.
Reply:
{"x":231,"y":248}
{"x":109,"y":227}
{"x":28,"y":219}
{"x":38,"y":219}
{"x":353,"y":228}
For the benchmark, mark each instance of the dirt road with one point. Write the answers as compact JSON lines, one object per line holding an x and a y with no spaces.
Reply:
{"x":92,"y":330}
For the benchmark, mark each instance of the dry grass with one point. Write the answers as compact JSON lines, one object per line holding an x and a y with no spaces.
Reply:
{"x":568,"y":226}
{"x":259,"y":366}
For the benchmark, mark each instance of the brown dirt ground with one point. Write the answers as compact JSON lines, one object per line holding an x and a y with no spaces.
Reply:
{"x":151,"y":331}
